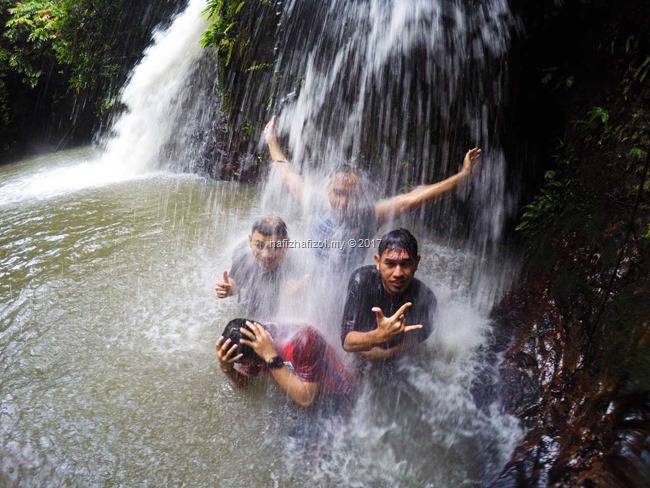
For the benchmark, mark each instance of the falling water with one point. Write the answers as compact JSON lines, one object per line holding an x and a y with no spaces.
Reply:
{"x":168,"y":100}
{"x":108,"y":314}
{"x":402,"y":89}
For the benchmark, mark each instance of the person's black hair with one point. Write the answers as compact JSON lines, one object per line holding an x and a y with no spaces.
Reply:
{"x":233,"y":332}
{"x":271,"y":225}
{"x":344,"y":169}
{"x":399,"y":239}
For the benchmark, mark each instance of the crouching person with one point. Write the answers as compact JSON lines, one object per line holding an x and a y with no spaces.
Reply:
{"x":298,"y":358}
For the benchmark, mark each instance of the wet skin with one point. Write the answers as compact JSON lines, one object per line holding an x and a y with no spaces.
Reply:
{"x":266,"y":256}
{"x":343,"y":193}
{"x":397,"y":269}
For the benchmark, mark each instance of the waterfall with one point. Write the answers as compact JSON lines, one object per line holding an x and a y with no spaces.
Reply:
{"x":401,"y":89}
{"x":110,"y":310}
{"x":168,"y":100}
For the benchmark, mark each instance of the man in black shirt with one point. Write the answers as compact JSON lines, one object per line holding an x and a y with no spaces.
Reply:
{"x":388,"y":310}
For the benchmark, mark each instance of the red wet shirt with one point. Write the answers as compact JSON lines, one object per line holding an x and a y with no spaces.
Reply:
{"x":306,"y":353}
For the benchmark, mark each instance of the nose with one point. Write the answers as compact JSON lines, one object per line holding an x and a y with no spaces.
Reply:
{"x":398,"y":272}
{"x":343,"y":201}
{"x":266,"y":253}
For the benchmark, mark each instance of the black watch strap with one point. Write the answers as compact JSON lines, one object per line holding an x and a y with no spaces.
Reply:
{"x":274,"y":363}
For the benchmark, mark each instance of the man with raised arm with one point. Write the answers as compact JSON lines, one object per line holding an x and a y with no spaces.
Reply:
{"x":298,"y":358}
{"x":351,"y":214}
{"x":261,"y":272}
{"x":388,"y":310}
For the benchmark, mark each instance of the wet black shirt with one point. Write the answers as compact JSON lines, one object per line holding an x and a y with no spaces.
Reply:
{"x":366,"y":291}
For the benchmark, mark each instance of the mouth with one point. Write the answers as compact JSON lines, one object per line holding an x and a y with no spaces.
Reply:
{"x":397,"y":284}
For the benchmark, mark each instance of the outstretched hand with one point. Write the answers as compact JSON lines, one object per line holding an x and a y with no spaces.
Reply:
{"x":389,"y":328}
{"x":472,"y":159}
{"x":269,"y":131}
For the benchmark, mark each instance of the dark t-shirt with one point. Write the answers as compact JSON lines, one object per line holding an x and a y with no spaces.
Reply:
{"x":259,"y":290}
{"x":306,"y":353}
{"x":365,"y":291}
{"x":326,"y":226}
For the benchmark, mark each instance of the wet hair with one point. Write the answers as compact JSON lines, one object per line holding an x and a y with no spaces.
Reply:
{"x":344,"y":169}
{"x":399,"y":239}
{"x":270,"y":225}
{"x":233,"y":332}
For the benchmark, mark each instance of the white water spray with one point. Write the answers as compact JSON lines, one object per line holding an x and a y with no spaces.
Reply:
{"x":155,"y":93}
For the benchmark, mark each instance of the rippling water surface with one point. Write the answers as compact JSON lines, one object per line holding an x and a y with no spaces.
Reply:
{"x":108,"y":376}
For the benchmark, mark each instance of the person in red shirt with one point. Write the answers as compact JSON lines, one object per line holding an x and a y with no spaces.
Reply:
{"x":298,"y":358}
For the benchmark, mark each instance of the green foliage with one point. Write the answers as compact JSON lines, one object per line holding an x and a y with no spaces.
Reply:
{"x":257,"y":67}
{"x":550,"y":200}
{"x":596,"y":115}
{"x":638,"y":153}
{"x":223,"y":33}
{"x":30,"y":34}
{"x":554,"y":77}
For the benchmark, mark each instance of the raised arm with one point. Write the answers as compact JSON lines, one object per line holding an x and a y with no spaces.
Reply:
{"x":391,"y":208}
{"x":290,"y":178}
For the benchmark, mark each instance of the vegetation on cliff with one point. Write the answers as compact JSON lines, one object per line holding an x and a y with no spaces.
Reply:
{"x":577,"y":372}
{"x":62,"y":63}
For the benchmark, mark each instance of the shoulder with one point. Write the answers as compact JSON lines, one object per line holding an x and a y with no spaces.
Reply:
{"x":241,"y":253}
{"x":308,"y":343}
{"x":424,"y":294}
{"x":363,"y":274}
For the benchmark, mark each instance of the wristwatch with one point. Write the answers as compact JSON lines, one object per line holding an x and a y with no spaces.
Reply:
{"x":274,"y":363}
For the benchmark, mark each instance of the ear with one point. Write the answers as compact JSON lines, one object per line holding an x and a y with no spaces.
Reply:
{"x":417,"y":262}
{"x":250,"y":238}
{"x":377,"y":259}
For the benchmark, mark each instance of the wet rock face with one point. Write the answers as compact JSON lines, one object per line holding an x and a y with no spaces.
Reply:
{"x":577,"y":370}
{"x":564,"y":374}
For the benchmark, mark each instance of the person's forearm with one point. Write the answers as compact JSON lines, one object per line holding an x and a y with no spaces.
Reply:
{"x":275,"y":150}
{"x":391,"y":208}
{"x":291,"y":180}
{"x":361,"y":341}
{"x":301,"y":392}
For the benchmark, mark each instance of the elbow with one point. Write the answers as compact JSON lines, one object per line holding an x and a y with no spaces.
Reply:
{"x":347,"y":347}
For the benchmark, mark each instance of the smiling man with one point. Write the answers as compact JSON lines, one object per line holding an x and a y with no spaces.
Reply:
{"x":350,"y":212}
{"x":262,"y":273}
{"x":388,"y":310}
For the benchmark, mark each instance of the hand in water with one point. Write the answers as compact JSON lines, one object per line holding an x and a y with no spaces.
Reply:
{"x":394,"y":326}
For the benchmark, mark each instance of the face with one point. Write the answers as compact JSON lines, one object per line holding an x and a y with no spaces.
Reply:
{"x":266,"y":256}
{"x":397,"y":269}
{"x":343,"y":193}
